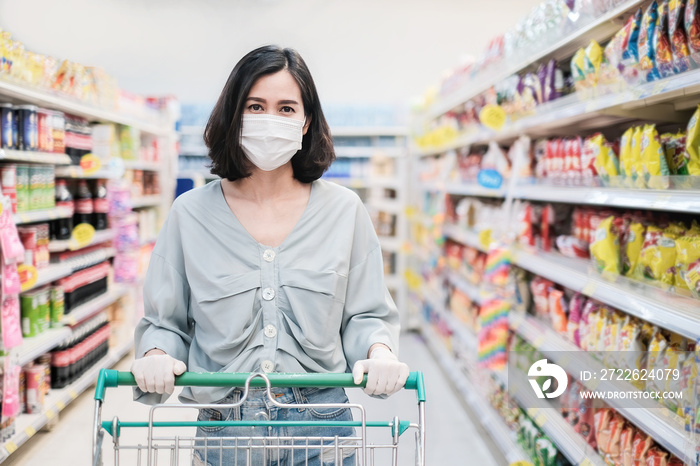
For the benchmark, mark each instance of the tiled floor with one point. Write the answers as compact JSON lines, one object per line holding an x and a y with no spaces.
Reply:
{"x":452,"y":439}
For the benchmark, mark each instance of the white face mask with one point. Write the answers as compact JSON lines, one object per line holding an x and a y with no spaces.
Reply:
{"x":270,"y":141}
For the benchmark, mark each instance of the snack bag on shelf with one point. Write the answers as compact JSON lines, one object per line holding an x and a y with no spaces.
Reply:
{"x":605,"y":161}
{"x":653,"y":159}
{"x":613,"y":449}
{"x":658,"y":258}
{"x":678,"y":36}
{"x":612,"y":330}
{"x":655,"y":359}
{"x":662,"y":43}
{"x":540,"y":296}
{"x":676,"y":153}
{"x":656,"y":457}
{"x":603,"y":418}
{"x":626,"y":445}
{"x":578,"y":69}
{"x":592,"y":63}
{"x":688,"y":263}
{"x":640,"y":446}
{"x":558,"y":310}
{"x":546,"y":452}
{"x":582,"y":418}
{"x":576,"y":305}
{"x":632,"y":249}
{"x":692,"y":28}
{"x":636,"y":160}
{"x":615,"y":49}
{"x":630,"y":55}
{"x":606,"y":248}
{"x":647,"y":54}
{"x":692,"y":143}
{"x":626,"y":142}
{"x":589,"y":328}
{"x":632,"y":349}
{"x":496,"y":159}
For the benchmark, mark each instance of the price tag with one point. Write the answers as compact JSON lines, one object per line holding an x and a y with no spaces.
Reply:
{"x":541,"y":420}
{"x":82,"y":236}
{"x":531,"y":412}
{"x":30,"y":431}
{"x":538,"y":342}
{"x":73,"y":394}
{"x":658,"y":88}
{"x":50,"y":414}
{"x":589,"y":288}
{"x":90,"y":164}
{"x":521,"y":463}
{"x":60,"y":405}
{"x":586,"y":462}
{"x":493,"y":117}
{"x":485,"y":239}
{"x":28,"y":276}
{"x":11,"y":447}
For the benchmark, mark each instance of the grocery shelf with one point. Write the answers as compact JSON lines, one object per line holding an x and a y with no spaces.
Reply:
{"x":599,"y":30}
{"x":364,"y":131}
{"x":667,"y":429}
{"x":34,"y":216}
{"x":464,"y":286}
{"x":651,"y":199}
{"x":34,"y":157}
{"x":668,"y":310}
{"x":34,"y":347}
{"x":492,"y":422}
{"x":464,"y":189}
{"x":368,"y":151}
{"x":391,"y":206}
{"x":146,"y":201}
{"x":29,"y":424}
{"x":52,"y":273}
{"x":54,"y":101}
{"x":63,"y":269}
{"x":390,"y":243}
{"x":101,"y":236}
{"x":568,"y":441}
{"x":461,"y":235}
{"x":75,"y":171}
{"x":95,"y":305}
{"x":145,"y":166}
{"x":458,"y":328}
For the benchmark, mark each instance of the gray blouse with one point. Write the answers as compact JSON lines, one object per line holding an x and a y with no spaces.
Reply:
{"x":220,"y":301}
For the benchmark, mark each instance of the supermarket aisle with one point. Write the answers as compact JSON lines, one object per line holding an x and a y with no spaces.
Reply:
{"x":451,"y":433}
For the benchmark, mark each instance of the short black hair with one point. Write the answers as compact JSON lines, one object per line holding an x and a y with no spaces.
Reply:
{"x":223,"y":131}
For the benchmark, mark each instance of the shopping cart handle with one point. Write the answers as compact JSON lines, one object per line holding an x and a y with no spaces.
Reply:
{"x":112,"y":378}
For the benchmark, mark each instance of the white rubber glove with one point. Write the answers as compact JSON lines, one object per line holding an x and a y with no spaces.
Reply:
{"x":386,"y":375}
{"x":156,"y":373}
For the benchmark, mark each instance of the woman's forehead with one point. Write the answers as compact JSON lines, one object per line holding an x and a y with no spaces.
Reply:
{"x":277,"y":86}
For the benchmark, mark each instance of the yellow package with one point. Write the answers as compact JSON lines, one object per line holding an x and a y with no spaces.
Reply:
{"x":658,"y":258}
{"x":578,"y":66}
{"x":673,"y":360}
{"x":692,"y":144}
{"x":690,"y":374}
{"x":654,"y":163}
{"x":606,"y":247}
{"x":655,"y":360}
{"x":633,"y":249}
{"x":694,"y":229}
{"x":688,"y":263}
{"x":611,"y":336}
{"x":606,"y":163}
{"x":632,"y":349}
{"x":675,"y":230}
{"x":626,"y":153}
{"x":594,"y":330}
{"x":592,"y":62}
{"x":636,"y":158}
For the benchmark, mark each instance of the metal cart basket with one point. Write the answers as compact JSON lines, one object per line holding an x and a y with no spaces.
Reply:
{"x":173,"y":449}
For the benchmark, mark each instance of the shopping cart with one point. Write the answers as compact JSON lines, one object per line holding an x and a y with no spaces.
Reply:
{"x":178,"y":449}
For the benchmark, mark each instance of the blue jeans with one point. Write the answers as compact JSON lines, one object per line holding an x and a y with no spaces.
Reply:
{"x":257,"y":407}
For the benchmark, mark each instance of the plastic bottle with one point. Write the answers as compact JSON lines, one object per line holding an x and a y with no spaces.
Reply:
{"x":63,"y":227}
{"x":83,"y":204}
{"x":100,"y":206}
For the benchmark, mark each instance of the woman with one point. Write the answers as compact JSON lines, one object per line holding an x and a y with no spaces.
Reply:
{"x":270,"y":269}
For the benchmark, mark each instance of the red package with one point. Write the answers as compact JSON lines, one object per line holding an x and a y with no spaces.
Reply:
{"x":603,"y":417}
{"x":540,"y":296}
{"x":626,"y":445}
{"x":547,"y":227}
{"x":640,"y":447}
{"x":558,"y":310}
{"x":679,"y":39}
{"x":692,"y":26}
{"x":617,"y":425}
{"x":588,"y":156}
{"x":585,"y":425}
{"x":572,"y":158}
{"x":526,"y":234}
{"x":662,"y":43}
{"x":656,"y":457}
{"x":575,"y":314}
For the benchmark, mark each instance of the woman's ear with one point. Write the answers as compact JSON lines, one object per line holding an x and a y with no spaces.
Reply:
{"x":306,"y":125}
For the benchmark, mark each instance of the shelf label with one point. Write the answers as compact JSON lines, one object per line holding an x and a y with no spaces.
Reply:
{"x":28,"y":276}
{"x":73,"y":394}
{"x":30,"y":431}
{"x":521,"y":463}
{"x":485,"y":239}
{"x":586,"y":462}
{"x":541,"y":420}
{"x":60,"y":405}
{"x":11,"y":447}
{"x":82,"y":236}
{"x":493,"y":117}
{"x":589,"y":288}
{"x":489,"y":179}
{"x":538,"y":342}
{"x":90,"y":164}
{"x":50,"y":414}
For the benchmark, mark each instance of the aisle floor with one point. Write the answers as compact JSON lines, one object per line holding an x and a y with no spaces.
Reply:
{"x":453,"y":438}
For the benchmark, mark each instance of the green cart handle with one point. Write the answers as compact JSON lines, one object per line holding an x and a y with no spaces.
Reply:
{"x":112,"y":378}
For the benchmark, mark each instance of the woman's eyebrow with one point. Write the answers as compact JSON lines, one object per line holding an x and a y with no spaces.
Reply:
{"x":257,"y":99}
{"x":288,"y":102}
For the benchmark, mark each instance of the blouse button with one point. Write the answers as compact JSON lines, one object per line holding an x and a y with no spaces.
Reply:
{"x":268,"y":294}
{"x":268,"y":366}
{"x":270,"y":331}
{"x":269,"y":255}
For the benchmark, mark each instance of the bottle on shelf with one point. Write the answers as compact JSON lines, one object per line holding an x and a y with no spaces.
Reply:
{"x":100,"y":206}
{"x":63,"y":227}
{"x":83,"y":204}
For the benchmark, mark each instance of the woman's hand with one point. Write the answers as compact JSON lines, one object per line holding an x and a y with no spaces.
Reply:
{"x":386,"y":375}
{"x":156,"y":371}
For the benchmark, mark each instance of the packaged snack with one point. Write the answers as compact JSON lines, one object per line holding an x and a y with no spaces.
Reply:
{"x":688,"y":263}
{"x":632,"y":350}
{"x":658,"y":257}
{"x":692,"y":27}
{"x":612,"y":449}
{"x":611,"y":338}
{"x":546,"y":452}
{"x":640,"y":446}
{"x":570,"y":246}
{"x":558,"y":310}
{"x":653,"y":159}
{"x":540,"y":296}
{"x":495,"y":159}
{"x":606,"y":163}
{"x":634,"y":242}
{"x":592,"y":63}
{"x":603,"y":417}
{"x":626,"y":445}
{"x":655,"y":359}
{"x":676,"y":154}
{"x":636,"y":159}
{"x":662,"y":43}
{"x":606,"y":248}
{"x":626,"y":153}
{"x":584,"y":416}
{"x":692,"y":142}
{"x":578,"y":69}
{"x":647,"y":54}
{"x":630,"y":54}
{"x":679,"y":39}
{"x":656,"y":457}
{"x":590,"y":313}
{"x":576,"y":305}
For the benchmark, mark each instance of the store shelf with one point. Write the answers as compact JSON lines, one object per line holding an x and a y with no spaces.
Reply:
{"x":75,"y":171}
{"x":146,"y":201}
{"x":51,"y":273}
{"x":368,"y":151}
{"x":668,"y":310}
{"x":468,"y":238}
{"x":27,"y":425}
{"x":465,"y":287}
{"x":667,"y":429}
{"x":365,"y":131}
{"x":92,"y":307}
{"x":34,"y":216}
{"x":600,"y":30}
{"x":74,"y":107}
{"x":648,"y":199}
{"x":390,"y":243}
{"x":101,"y":236}
{"x":57,"y":271}
{"x":464,"y":189}
{"x":390,"y":206}
{"x":145,"y":166}
{"x":34,"y":157}
{"x":492,"y":422}
{"x":34,"y":347}
{"x":458,"y":328}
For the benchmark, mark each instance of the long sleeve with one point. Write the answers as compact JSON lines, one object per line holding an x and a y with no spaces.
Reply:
{"x":166,"y":322}
{"x":370,"y":315}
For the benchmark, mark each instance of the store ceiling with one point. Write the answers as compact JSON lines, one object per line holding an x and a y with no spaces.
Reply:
{"x":360,"y":52}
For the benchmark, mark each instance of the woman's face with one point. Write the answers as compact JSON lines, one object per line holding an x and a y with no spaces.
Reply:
{"x":276,"y":94}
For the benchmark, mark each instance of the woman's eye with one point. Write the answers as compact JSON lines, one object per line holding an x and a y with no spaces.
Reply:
{"x":287,"y":110}
{"x":255,"y":107}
